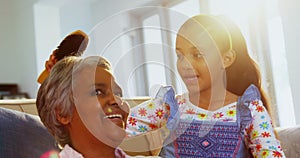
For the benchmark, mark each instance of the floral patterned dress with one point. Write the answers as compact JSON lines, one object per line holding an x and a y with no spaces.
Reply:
{"x":241,"y":129}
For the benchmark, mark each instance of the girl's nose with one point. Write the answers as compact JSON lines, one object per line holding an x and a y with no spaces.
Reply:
{"x":186,"y":64}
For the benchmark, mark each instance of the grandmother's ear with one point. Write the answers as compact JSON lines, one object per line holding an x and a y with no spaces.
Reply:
{"x":229,"y":58}
{"x":62,"y":119}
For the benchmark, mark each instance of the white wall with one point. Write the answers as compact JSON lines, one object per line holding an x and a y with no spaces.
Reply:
{"x":290,"y":11}
{"x":53,"y":21}
{"x":31,"y":29}
{"x":17,"y":43}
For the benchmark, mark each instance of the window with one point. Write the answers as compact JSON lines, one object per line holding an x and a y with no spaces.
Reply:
{"x":280,"y":73}
{"x":254,"y":21}
{"x":154,"y":54}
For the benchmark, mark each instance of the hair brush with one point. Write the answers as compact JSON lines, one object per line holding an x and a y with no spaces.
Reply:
{"x":72,"y":45}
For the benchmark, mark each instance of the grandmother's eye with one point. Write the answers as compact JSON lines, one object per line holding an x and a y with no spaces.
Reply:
{"x":119,"y":94}
{"x":98,"y":92}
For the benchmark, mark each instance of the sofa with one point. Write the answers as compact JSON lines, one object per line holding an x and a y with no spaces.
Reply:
{"x":23,"y":135}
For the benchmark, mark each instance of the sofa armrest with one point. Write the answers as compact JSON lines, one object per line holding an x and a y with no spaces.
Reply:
{"x":29,"y":105}
{"x":23,"y":105}
{"x":290,"y":140}
{"x":23,"y":135}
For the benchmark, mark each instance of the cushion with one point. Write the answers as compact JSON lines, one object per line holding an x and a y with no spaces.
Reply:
{"x":23,"y":135}
{"x":290,"y":140}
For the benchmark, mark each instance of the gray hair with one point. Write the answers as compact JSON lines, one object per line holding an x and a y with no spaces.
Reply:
{"x":55,"y":93}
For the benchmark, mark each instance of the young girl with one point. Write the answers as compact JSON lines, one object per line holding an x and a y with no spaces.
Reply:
{"x":224,"y":113}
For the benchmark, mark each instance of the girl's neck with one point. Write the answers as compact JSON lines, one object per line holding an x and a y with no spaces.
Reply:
{"x":212,"y":101}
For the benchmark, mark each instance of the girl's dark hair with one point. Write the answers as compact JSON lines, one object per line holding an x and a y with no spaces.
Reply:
{"x":244,"y":71}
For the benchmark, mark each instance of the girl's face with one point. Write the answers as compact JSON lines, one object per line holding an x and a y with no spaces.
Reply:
{"x":198,"y":58}
{"x":99,"y":105}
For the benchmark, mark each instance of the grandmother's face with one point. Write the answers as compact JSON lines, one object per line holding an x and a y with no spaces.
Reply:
{"x":98,"y":102}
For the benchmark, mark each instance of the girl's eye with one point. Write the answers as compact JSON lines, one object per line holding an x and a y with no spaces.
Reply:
{"x":198,"y":55}
{"x":179,"y":55}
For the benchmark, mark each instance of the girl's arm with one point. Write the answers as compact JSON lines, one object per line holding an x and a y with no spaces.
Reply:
{"x":152,"y":114}
{"x":260,"y":135}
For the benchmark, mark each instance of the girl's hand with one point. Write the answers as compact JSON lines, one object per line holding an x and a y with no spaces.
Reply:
{"x":51,"y":62}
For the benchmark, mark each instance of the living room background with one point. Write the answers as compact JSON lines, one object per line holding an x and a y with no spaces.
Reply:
{"x":31,"y":29}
